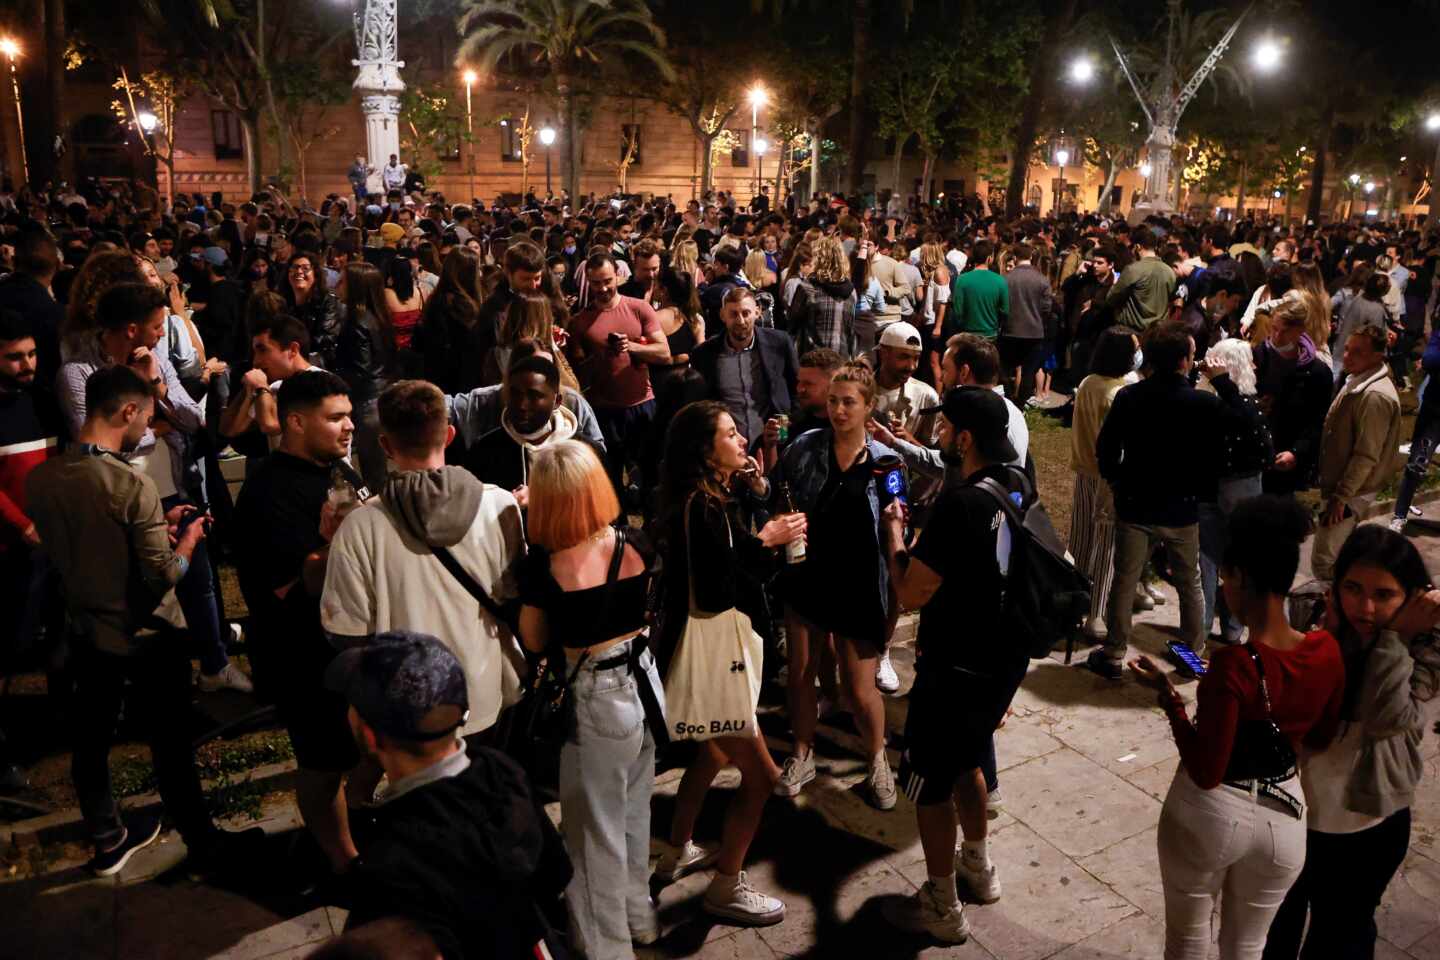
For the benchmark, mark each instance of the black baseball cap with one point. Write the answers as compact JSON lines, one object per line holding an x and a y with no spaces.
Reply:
{"x":405,"y":685}
{"x":985,"y":414}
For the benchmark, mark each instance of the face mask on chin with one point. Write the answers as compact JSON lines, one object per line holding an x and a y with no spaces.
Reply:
{"x":1287,"y":350}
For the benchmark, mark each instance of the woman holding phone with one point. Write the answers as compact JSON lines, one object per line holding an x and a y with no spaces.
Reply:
{"x":1233,"y":819}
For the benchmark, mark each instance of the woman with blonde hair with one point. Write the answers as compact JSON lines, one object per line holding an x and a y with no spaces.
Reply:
{"x":1311,"y":284}
{"x":1247,"y":452}
{"x":758,"y":272}
{"x":583,"y":588}
{"x":823,"y":312}
{"x":685,"y":258}
{"x":935,"y":271}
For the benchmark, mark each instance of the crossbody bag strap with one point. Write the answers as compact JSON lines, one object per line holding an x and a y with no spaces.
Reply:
{"x":452,"y":566}
{"x":1260,"y":669}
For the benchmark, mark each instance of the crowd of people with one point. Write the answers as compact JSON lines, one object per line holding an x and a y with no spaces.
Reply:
{"x":538,"y":494}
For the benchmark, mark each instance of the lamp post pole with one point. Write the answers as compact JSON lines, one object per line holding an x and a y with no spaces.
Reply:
{"x":11,"y":49}
{"x":547,"y":137}
{"x":469,"y":133}
{"x":378,"y":78}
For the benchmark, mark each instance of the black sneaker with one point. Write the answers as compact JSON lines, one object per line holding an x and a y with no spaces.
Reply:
{"x":140,"y":831}
{"x":227,"y":852}
{"x":1104,"y":666}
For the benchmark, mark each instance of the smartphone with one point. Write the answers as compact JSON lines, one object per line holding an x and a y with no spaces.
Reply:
{"x":1185,"y":655}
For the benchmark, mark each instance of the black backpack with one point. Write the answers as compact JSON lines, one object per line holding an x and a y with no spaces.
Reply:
{"x":1046,"y":598}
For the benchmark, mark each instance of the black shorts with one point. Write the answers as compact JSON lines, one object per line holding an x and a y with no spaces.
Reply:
{"x":952,"y":717}
{"x":1018,"y":351}
{"x":290,"y":662}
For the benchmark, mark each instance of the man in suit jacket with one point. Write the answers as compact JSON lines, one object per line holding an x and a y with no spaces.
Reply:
{"x":750,"y":369}
{"x":1023,"y":333}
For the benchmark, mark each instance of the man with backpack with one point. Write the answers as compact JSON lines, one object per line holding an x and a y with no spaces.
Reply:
{"x":956,"y":577}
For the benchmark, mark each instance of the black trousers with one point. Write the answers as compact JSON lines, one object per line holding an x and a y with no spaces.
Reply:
{"x":1344,"y":878}
{"x":159,"y":701}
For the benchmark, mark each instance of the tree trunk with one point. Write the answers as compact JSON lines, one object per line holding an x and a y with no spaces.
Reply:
{"x":1289,"y":203}
{"x":707,"y":164}
{"x":1240,"y":192}
{"x":778,"y":199}
{"x":250,"y":132}
{"x":1317,"y":172}
{"x":54,"y":126}
{"x":859,"y":52}
{"x":1042,"y":71}
{"x":815,"y":141}
{"x":900,"y":140}
{"x":1108,"y":190}
{"x":926,"y":172}
{"x":570,"y":166}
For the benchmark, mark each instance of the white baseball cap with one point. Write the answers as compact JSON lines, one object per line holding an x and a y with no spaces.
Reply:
{"x":901,"y":334}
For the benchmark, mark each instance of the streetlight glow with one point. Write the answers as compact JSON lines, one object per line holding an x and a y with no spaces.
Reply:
{"x":1082,"y":70}
{"x":547,"y":135}
{"x":1145,"y":169}
{"x":1277,"y":194}
{"x":1369,"y":186}
{"x":148,"y":121}
{"x":1354,"y":178}
{"x":1432,"y":122}
{"x":9,"y":47}
{"x":1062,"y":156}
{"x":758,"y":96}
{"x":761,"y":145}
{"x":1267,"y":55}
{"x":470,"y":76}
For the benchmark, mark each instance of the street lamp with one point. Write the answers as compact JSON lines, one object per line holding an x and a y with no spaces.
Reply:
{"x":469,"y":77}
{"x":761,"y":145}
{"x":547,"y":138}
{"x":1145,"y":170}
{"x":1082,"y":70}
{"x":1369,"y":187}
{"x":1354,"y":179}
{"x":148,"y":122}
{"x":1266,"y":55}
{"x":11,"y":50}
{"x":758,"y":97}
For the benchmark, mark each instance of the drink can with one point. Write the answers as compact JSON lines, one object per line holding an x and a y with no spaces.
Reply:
{"x":784,"y":422}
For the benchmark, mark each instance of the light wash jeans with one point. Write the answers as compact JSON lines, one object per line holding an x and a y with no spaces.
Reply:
{"x":607,"y":772}
{"x":1225,"y":841}
{"x":1214,"y":535}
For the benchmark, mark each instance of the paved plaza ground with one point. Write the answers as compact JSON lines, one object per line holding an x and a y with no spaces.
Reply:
{"x":1084,"y":767}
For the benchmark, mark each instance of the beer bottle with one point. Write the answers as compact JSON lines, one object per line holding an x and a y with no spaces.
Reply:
{"x":795,"y":549}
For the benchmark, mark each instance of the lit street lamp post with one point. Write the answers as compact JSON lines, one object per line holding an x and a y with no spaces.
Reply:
{"x":758,"y":98}
{"x":469,"y":78}
{"x":547,"y":138}
{"x":1432,"y":123}
{"x":761,"y":145}
{"x":11,"y":49}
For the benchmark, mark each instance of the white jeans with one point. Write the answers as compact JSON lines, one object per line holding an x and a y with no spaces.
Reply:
{"x":1225,"y":840}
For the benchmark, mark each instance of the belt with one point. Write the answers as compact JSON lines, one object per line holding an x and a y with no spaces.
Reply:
{"x":1261,"y":788}
{"x":654,"y":716}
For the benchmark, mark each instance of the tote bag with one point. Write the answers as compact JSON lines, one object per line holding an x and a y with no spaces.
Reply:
{"x":714,"y":680}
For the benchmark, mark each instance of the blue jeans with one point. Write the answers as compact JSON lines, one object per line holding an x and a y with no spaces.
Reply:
{"x":607,"y":773}
{"x":196,"y":593}
{"x":1214,"y":518}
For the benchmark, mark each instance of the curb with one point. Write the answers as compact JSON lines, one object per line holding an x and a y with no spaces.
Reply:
{"x":68,"y":826}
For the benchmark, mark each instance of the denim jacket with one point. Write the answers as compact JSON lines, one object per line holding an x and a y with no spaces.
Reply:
{"x":805,"y":465}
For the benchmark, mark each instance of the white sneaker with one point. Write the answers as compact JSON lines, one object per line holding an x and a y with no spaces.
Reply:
{"x":925,"y":912}
{"x":983,"y":880}
{"x":738,"y":901}
{"x":885,"y":677}
{"x":994,"y":803}
{"x":1398,"y":524}
{"x":798,"y":772}
{"x":1156,"y":595}
{"x":237,"y":634}
{"x":676,"y":862}
{"x":882,"y":783}
{"x":231,"y":677}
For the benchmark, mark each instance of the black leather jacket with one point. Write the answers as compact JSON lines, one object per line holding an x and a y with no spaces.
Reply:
{"x":324,"y":316}
{"x":362,"y":357}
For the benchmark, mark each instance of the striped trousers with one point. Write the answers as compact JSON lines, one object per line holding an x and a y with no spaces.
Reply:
{"x":1092,"y":538}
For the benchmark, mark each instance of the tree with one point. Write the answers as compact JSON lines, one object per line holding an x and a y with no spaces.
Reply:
{"x":1059,"y":17}
{"x":571,"y":38}
{"x":306,"y":92}
{"x":908,"y":100}
{"x":430,"y":128}
{"x":161,"y":94}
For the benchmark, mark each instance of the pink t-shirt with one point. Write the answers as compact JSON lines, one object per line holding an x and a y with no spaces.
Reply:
{"x":616,"y":380}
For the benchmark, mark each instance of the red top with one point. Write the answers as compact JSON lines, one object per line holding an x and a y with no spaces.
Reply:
{"x":404,"y":322}
{"x":1306,"y":687}
{"x":617,"y":380}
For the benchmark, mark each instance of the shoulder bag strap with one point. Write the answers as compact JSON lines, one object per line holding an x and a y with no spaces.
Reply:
{"x":1260,"y":669}
{"x":1002,"y":497}
{"x":452,"y":566}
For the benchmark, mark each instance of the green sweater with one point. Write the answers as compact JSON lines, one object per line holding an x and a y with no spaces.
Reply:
{"x":978,"y":299}
{"x":1143,"y":293}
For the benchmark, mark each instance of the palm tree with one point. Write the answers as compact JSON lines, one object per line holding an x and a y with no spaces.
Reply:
{"x":571,"y":37}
